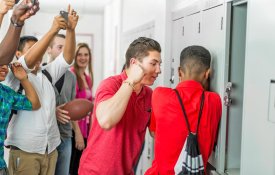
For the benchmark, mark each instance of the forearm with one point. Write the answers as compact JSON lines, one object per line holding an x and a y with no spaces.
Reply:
{"x":69,"y":48}
{"x":37,"y":51}
{"x":75,"y":127}
{"x":1,"y":19}
{"x":31,"y":93}
{"x":111,"y":111}
{"x":9,"y":44}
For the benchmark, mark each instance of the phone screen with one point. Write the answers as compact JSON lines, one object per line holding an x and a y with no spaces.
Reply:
{"x":64,"y":14}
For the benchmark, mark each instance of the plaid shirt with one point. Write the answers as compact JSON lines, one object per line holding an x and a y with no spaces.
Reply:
{"x":9,"y":100}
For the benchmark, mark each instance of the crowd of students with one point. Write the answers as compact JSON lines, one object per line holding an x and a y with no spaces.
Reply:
{"x":38,"y":131}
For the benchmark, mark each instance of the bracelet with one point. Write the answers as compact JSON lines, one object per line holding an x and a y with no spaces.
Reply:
{"x":15,"y":24}
{"x":130,"y":84}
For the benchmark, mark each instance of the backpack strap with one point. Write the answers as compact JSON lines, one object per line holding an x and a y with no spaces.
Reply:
{"x":48,"y":75}
{"x":19,"y":91}
{"x":184,"y":112}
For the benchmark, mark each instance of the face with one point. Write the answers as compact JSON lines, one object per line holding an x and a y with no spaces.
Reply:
{"x":3,"y":72}
{"x":57,"y":47}
{"x":82,"y":58}
{"x":151,"y":65}
{"x":27,"y":46}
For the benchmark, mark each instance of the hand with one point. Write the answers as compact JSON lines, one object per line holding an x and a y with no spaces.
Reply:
{"x":62,"y":115}
{"x":72,"y":18}
{"x":23,"y":11}
{"x":58,"y":23}
{"x":79,"y":141}
{"x":18,"y":71}
{"x":6,"y":5}
{"x":136,"y":72}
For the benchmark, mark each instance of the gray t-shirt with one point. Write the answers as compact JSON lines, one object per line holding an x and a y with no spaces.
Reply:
{"x":66,"y":94}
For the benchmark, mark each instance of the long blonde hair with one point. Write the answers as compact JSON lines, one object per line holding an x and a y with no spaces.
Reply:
{"x":76,"y":67}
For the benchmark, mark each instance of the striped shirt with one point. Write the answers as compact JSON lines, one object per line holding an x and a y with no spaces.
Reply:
{"x":9,"y":100}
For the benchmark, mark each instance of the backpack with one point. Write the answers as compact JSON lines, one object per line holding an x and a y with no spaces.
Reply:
{"x":190,"y":160}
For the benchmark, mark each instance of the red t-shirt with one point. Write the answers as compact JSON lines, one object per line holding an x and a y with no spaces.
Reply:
{"x":168,"y":123}
{"x":116,"y":151}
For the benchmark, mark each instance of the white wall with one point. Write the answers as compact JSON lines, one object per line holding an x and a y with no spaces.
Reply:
{"x":112,"y":28}
{"x":88,"y":25}
{"x":258,"y":146}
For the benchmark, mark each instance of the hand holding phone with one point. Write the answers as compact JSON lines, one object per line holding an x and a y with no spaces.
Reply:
{"x":64,"y":14}
{"x":32,"y":1}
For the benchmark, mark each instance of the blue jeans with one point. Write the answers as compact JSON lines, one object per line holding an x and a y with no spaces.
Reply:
{"x":64,"y":157}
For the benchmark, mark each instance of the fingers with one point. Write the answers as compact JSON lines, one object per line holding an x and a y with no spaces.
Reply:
{"x":63,"y":118}
{"x":79,"y":145}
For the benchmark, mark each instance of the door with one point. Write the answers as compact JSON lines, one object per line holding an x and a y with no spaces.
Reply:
{"x":236,"y":77}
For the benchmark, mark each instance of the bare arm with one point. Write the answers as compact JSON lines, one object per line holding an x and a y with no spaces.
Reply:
{"x":30,"y":92}
{"x":37,"y":51}
{"x":110,"y":112}
{"x":10,"y":42}
{"x":79,"y":140}
{"x":69,"y":48}
{"x":5,"y":6}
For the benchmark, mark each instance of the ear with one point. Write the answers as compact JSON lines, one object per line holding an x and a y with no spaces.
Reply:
{"x":18,"y":54}
{"x":207,"y":73}
{"x":181,"y":74}
{"x":133,"y":61}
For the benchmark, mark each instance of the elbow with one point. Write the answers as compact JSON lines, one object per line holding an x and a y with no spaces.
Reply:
{"x":36,"y":105}
{"x":104,"y":121}
{"x":105,"y":124}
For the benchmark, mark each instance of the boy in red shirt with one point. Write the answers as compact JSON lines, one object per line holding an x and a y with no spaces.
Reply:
{"x":121,"y":113}
{"x":167,"y":122}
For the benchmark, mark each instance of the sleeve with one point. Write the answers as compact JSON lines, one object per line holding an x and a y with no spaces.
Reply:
{"x":73,"y":86}
{"x":24,"y":64}
{"x":107,"y":89}
{"x":57,"y":68}
{"x":152,"y":125}
{"x":20,"y":102}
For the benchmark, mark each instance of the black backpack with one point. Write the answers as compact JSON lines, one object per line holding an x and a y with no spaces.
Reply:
{"x":190,"y":160}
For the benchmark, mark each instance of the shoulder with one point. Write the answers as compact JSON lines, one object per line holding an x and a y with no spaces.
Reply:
{"x":5,"y":88}
{"x":213,"y":96}
{"x":163,"y":91}
{"x":112,"y":81}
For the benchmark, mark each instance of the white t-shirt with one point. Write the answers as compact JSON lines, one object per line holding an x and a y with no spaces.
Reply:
{"x":34,"y":131}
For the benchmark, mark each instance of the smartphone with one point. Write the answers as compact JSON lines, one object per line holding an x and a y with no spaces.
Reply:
{"x":34,"y":2}
{"x":64,"y":14}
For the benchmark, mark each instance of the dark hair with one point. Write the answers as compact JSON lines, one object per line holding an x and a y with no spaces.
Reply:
{"x":195,"y":59}
{"x":140,"y":48}
{"x":23,"y":40}
{"x":59,"y":35}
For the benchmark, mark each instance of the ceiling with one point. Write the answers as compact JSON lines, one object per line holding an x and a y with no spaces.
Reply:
{"x":81,"y":6}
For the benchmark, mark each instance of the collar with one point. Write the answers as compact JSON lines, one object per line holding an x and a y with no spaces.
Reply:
{"x":190,"y":84}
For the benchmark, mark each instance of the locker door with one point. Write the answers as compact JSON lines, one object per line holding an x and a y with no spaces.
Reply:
{"x":214,"y":38}
{"x":186,"y":32}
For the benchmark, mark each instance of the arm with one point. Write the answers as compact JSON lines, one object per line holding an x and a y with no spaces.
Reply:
{"x":9,"y":44}
{"x":37,"y":51}
{"x":30,"y":92}
{"x":69,"y":48}
{"x":5,"y":6}
{"x":110,"y":111}
{"x":79,"y":140}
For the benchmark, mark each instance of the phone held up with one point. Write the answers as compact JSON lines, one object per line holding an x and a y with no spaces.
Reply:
{"x":64,"y":14}
{"x":32,"y":1}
